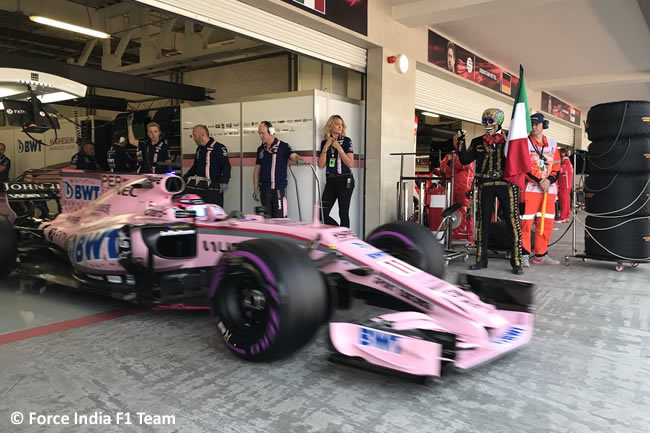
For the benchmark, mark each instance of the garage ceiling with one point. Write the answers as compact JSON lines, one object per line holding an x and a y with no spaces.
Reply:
{"x":582,"y":51}
{"x":143,"y":41}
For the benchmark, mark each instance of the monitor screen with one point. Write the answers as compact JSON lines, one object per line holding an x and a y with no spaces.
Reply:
{"x":29,"y":116}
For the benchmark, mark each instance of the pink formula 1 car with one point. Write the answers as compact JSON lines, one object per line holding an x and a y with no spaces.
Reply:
{"x":270,"y":283}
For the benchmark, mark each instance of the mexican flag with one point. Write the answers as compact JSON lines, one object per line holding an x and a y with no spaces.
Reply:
{"x":317,"y":5}
{"x":517,"y":159}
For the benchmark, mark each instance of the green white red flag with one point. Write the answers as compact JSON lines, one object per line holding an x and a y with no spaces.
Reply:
{"x":317,"y":5}
{"x":516,"y":150}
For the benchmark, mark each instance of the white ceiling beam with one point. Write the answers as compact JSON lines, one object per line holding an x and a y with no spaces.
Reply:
{"x":165,"y":38}
{"x":85,"y":54}
{"x":590,"y":80}
{"x":122,"y":46}
{"x":120,"y":9}
{"x":212,"y":52}
{"x":430,"y":13}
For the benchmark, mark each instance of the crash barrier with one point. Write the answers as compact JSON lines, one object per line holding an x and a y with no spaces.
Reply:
{"x":617,"y":187}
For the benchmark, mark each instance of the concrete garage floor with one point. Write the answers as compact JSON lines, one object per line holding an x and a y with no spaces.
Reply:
{"x":586,"y":370}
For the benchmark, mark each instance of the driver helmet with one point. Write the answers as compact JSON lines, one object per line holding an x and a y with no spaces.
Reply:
{"x":186,"y":201}
{"x":192,"y":202}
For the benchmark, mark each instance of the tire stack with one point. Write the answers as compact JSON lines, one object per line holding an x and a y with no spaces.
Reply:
{"x":617,"y":188}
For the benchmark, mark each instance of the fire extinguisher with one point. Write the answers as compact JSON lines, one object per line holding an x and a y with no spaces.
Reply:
{"x":437,"y":202}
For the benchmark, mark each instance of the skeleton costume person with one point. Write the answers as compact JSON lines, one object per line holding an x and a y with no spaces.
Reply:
{"x":488,"y":153}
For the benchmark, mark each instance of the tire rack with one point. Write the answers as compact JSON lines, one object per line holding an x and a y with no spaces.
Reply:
{"x":403,"y":198}
{"x":619,"y":267}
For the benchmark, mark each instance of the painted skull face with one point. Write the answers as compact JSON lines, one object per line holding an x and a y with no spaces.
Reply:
{"x":492,"y":119}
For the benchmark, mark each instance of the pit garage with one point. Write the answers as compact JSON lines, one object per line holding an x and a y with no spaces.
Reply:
{"x":147,"y":349}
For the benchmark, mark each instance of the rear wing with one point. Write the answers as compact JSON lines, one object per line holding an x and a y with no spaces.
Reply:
{"x":25,"y":192}
{"x":30,"y":191}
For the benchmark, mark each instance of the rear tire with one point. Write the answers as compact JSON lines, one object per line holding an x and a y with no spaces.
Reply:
{"x":267,"y":299}
{"x":411,"y":243}
{"x":8,"y":247}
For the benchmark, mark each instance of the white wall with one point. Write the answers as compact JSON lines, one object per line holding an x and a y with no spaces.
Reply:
{"x":298,"y":118}
{"x":27,"y":154}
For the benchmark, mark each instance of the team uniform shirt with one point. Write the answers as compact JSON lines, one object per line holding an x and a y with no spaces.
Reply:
{"x":544,"y":164}
{"x":6,"y":163}
{"x":273,"y":164}
{"x":333,"y":163}
{"x":152,"y":155}
{"x":211,"y":161}
{"x":119,"y":160}
{"x":84,"y":162}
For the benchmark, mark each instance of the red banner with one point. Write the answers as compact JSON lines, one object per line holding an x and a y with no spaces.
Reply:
{"x":456,"y":59}
{"x":560,"y":109}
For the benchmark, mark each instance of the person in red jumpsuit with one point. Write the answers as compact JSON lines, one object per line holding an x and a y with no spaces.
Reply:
{"x":564,"y":186}
{"x":463,"y":178}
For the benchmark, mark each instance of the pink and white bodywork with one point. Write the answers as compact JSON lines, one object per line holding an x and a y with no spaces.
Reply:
{"x":124,"y":234}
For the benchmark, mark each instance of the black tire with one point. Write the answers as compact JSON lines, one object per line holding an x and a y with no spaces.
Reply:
{"x":625,"y":238}
{"x":623,"y":119}
{"x":286,"y":299}
{"x":626,"y":155}
{"x":8,"y":247}
{"x":411,"y":243}
{"x":627,"y":195}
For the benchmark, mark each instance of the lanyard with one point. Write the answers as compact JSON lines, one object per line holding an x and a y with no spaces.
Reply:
{"x":156,"y":148}
{"x":340,"y":141}
{"x":274,"y":146}
{"x":539,"y":151}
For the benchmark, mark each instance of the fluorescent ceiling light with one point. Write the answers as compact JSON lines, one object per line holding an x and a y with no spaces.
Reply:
{"x":5,"y":91}
{"x":70,"y":27}
{"x":54,"y":97}
{"x":427,"y":113}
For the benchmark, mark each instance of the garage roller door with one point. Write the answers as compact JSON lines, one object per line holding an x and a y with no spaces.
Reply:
{"x":560,"y":133}
{"x":255,"y":23}
{"x":441,"y":96}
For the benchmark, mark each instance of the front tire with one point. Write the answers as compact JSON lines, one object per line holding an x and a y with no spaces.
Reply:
{"x":267,"y":299}
{"x":411,"y":243}
{"x":8,"y":247}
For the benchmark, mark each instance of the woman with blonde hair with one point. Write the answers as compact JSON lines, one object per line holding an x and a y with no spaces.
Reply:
{"x":337,"y":157}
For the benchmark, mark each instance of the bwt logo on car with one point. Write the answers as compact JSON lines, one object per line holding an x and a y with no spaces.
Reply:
{"x":29,"y":146}
{"x":95,"y":246}
{"x":513,"y":333}
{"x":81,"y":192}
{"x":380,"y":340}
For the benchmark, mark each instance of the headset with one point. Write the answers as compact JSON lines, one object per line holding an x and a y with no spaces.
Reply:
{"x":545,"y":124}
{"x":269,"y":127}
